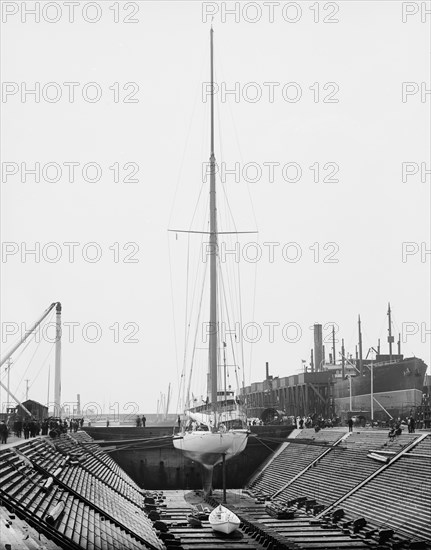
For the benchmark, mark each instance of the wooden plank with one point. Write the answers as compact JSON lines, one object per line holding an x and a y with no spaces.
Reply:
{"x":337,"y":545}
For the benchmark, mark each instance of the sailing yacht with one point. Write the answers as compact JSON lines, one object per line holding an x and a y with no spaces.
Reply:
{"x":216,"y":429}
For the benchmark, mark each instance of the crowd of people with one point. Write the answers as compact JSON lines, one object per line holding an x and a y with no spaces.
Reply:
{"x":57,"y":426}
{"x":316,"y":421}
{"x":32,"y":427}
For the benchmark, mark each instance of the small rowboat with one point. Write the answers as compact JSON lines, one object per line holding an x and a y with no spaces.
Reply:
{"x":223,"y":520}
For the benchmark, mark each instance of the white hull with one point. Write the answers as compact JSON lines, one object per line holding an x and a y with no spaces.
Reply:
{"x":223,"y":520}
{"x":208,"y":448}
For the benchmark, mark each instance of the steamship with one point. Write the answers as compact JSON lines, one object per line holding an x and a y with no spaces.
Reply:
{"x":389,"y":385}
{"x":379,"y":386}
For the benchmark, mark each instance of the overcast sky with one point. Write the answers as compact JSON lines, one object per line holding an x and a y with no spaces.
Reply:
{"x":327,"y":95}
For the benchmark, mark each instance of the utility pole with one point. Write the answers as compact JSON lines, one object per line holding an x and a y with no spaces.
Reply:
{"x":9,"y":362}
{"x":372,"y":393}
{"x":333,"y":345}
{"x":360,"y":345}
{"x":49,"y":380}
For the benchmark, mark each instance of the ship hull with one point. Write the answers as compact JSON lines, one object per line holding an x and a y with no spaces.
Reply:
{"x":208,"y":448}
{"x":397,"y":388}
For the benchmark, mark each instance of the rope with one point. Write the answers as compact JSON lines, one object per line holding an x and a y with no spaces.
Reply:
{"x":43,"y":364}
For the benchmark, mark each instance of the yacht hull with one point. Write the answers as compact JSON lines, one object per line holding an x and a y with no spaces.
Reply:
{"x":208,"y":448}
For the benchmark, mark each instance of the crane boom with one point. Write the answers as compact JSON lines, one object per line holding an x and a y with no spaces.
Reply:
{"x":16,"y":346}
{"x":28,"y":333}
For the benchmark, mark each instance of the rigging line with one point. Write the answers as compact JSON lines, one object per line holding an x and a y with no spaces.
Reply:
{"x":137,"y":447}
{"x":25,"y":345}
{"x":222,"y":285}
{"x":253,"y":312}
{"x":397,"y":329}
{"x":247,"y":185}
{"x":197,"y":203}
{"x":30,"y":362}
{"x":43,"y":364}
{"x":237,"y":277}
{"x":228,"y":211}
{"x":192,"y":308}
{"x":229,"y":239}
{"x":239,"y":281}
{"x":33,"y":334}
{"x":186,"y":315}
{"x":382,"y":324}
{"x":198,"y":89}
{"x":196,"y":335}
{"x":265,"y":445}
{"x":187,"y":322}
{"x":241,"y":324}
{"x":173,"y":310}
{"x":240,"y":153}
{"x":234,"y":272}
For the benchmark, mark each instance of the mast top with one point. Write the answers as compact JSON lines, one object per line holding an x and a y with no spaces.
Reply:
{"x":212,"y":89}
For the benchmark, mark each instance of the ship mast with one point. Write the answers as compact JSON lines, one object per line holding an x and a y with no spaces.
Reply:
{"x":390,"y":337}
{"x":213,"y":336}
{"x":360,"y":346}
{"x":334,"y":362}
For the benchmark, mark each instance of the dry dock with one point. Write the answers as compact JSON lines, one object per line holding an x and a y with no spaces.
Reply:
{"x":359,"y":490}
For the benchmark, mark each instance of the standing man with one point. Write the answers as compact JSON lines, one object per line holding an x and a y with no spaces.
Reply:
{"x":350,"y":424}
{"x":144,"y":420}
{"x":3,"y":432}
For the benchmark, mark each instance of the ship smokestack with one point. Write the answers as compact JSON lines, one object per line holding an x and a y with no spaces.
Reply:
{"x":267,"y":370}
{"x":312,"y":361}
{"x":318,"y":348}
{"x":343,"y":360}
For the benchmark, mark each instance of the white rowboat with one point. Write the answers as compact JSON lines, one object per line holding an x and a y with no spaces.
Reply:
{"x":223,"y":520}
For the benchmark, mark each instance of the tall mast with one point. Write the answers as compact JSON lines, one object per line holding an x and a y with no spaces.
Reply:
{"x":360,"y":345}
{"x":343,"y":360}
{"x":333,"y":345}
{"x":390,"y":337}
{"x":213,"y":339}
